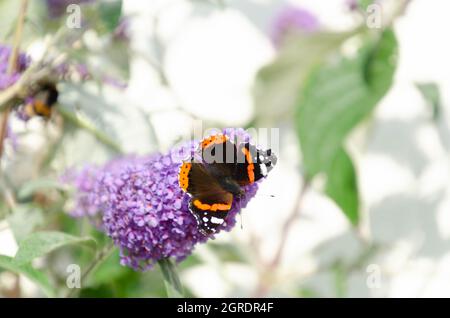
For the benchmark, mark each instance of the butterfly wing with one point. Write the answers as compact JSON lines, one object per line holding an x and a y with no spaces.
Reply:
{"x":244,"y":163}
{"x":252,"y":164}
{"x":219,"y":156}
{"x":210,"y":203}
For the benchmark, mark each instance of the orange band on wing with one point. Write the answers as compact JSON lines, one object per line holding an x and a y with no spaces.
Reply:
{"x":183,"y":176}
{"x":211,"y":207}
{"x":251,"y":167}
{"x":216,"y":139}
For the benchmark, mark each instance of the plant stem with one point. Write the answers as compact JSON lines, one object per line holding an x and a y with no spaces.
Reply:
{"x":171,"y":280}
{"x":100,"y":257}
{"x":4,"y":129}
{"x":12,"y":65}
{"x":288,"y":225}
{"x":89,"y":127}
{"x":17,"y":37}
{"x":269,"y":269}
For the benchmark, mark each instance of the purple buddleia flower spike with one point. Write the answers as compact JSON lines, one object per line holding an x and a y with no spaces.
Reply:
{"x":143,"y":208}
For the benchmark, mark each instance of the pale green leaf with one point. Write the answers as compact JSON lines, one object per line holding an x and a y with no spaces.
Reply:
{"x":24,"y":220}
{"x":38,"y":277}
{"x":110,"y":12}
{"x":342,"y":185}
{"x":335,"y":99}
{"x":42,"y":184}
{"x":41,"y":243}
{"x":278,"y":84}
{"x":431,"y":94}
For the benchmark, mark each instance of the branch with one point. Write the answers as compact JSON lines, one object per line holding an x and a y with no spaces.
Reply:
{"x":269,"y":269}
{"x":101,"y":256}
{"x":12,"y":65}
{"x":288,"y":224}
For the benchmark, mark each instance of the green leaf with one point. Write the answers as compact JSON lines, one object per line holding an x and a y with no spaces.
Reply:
{"x":340,"y":280}
{"x":24,"y":220}
{"x":101,"y":291}
{"x":278,"y":84}
{"x":108,"y":271}
{"x":38,"y":277}
{"x":335,"y":99}
{"x":171,"y":279}
{"x":380,"y":60}
{"x":41,"y":243}
{"x":85,"y":124}
{"x":364,"y":3}
{"x":431,"y":94}
{"x":110,"y":12}
{"x":32,"y":186}
{"x":342,"y":185}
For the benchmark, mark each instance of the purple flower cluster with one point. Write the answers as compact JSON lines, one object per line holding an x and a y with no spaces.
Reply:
{"x":292,"y":19}
{"x":143,"y":208}
{"x":6,"y":79}
{"x":85,"y":182}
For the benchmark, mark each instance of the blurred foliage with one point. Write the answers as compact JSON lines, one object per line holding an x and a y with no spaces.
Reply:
{"x":325,"y":116}
{"x":41,"y":243}
{"x":278,"y":84}
{"x":431,"y":94}
{"x":28,"y":271}
{"x":308,"y":78}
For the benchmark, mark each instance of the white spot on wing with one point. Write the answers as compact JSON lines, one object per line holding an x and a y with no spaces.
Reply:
{"x":263,"y":170}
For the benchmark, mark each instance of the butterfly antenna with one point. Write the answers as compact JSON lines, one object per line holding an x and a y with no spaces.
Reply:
{"x":242,"y":223}
{"x":266,"y":195}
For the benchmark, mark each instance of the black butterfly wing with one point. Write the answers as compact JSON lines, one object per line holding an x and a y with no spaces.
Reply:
{"x":252,"y":163}
{"x":244,"y":163}
{"x":219,"y":156}
{"x":210,"y":203}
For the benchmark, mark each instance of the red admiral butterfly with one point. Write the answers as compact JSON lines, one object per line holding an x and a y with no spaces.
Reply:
{"x":214,"y":181}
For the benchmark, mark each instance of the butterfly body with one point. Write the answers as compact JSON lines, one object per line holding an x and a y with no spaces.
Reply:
{"x":220,"y":178}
